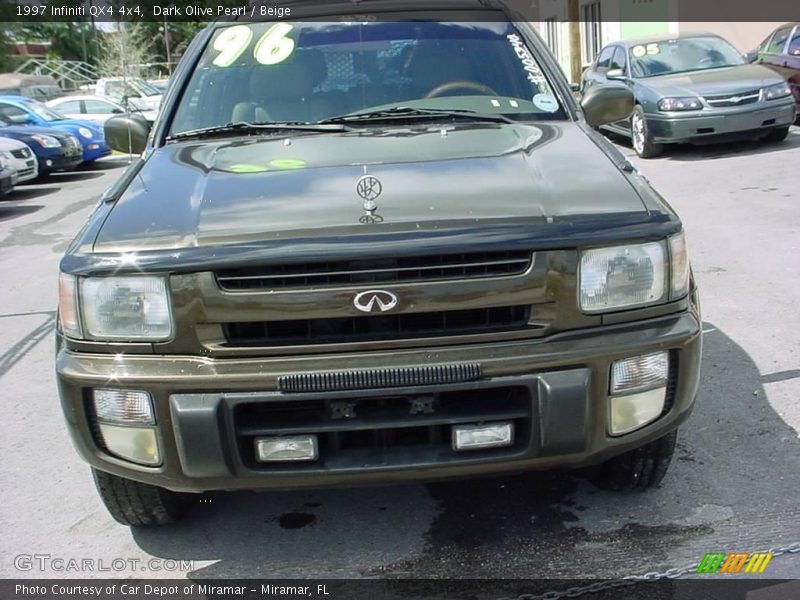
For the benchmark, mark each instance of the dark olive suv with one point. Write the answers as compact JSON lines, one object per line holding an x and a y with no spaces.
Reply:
{"x":380,"y":248}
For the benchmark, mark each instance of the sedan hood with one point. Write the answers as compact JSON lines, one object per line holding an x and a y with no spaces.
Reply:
{"x":18,"y":131}
{"x":277,"y":188}
{"x":732,"y":80}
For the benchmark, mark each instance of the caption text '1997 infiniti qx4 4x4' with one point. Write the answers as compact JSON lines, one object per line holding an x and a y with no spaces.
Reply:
{"x":367,"y":251}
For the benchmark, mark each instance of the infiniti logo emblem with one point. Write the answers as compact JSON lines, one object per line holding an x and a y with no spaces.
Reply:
{"x":375,"y":301}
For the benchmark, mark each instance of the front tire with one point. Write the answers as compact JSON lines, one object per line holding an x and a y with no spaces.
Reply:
{"x":138,"y":504}
{"x":778,"y":134}
{"x":640,"y":469}
{"x":641,"y":138}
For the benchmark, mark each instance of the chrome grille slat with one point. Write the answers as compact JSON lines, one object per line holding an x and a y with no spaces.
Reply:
{"x":726,"y":100}
{"x":379,"y":270}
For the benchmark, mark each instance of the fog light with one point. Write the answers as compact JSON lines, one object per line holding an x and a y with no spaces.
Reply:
{"x":123,"y":406}
{"x":473,"y":437}
{"x":633,"y":411}
{"x":288,"y":448}
{"x":136,"y":444}
{"x":48,"y":162}
{"x":639,"y":373}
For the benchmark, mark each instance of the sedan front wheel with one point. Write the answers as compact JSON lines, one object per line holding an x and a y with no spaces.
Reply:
{"x":641,"y":139}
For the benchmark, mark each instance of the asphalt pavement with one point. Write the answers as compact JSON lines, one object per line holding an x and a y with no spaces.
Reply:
{"x":733,"y":485}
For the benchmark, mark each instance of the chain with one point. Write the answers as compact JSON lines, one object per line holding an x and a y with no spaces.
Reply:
{"x":610,"y":584}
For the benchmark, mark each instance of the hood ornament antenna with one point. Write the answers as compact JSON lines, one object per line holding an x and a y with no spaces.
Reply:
{"x":369,"y":188}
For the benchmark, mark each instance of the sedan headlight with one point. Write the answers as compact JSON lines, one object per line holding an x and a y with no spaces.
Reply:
{"x":46,"y":141}
{"x":134,"y":308}
{"x":85,"y":132}
{"x":126,"y":308}
{"x":5,"y":160}
{"x":679,"y":104}
{"x":779,"y":90}
{"x":623,"y":277}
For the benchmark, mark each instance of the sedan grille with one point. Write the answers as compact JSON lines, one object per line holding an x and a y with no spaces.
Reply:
{"x":21,"y":153}
{"x":372,"y":328}
{"x":728,"y":100}
{"x":377,"y":270}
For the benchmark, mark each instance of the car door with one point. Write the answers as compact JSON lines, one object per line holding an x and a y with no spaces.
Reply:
{"x":69,"y":108}
{"x":770,"y":54}
{"x":596,"y":73}
{"x":99,"y":111}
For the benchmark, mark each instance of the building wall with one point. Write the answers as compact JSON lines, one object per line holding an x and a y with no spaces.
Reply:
{"x":744,"y":36}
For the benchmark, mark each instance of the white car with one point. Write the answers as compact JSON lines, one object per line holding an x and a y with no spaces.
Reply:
{"x":20,"y":158}
{"x":93,"y":108}
{"x":134,"y":90}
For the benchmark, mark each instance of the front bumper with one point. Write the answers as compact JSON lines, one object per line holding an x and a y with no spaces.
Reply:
{"x":563,"y":382}
{"x":689,"y":126}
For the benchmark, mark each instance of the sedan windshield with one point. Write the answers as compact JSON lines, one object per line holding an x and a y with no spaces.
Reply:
{"x":306,"y":72}
{"x":43,"y":111}
{"x":682,"y":55}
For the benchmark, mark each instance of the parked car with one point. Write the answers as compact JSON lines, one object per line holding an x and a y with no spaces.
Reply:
{"x":780,"y":51}
{"x":20,"y":158}
{"x":8,"y":176}
{"x":94,"y":108}
{"x":55,"y":150}
{"x":160,"y":84}
{"x":25,"y":111}
{"x":691,"y":88}
{"x":133,"y":90}
{"x":404,"y":280}
{"x":38,"y":87}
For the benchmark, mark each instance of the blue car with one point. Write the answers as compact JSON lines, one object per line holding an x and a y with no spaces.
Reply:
{"x":56,"y":150}
{"x":18,"y":110}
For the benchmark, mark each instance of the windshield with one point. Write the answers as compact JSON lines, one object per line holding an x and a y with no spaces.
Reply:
{"x":310,"y":71}
{"x":682,"y":55}
{"x":144,"y":88}
{"x":44,"y":112}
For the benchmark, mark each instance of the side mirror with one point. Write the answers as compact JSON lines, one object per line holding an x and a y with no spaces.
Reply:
{"x":606,"y":104}
{"x":127,"y":133}
{"x":616,"y":75}
{"x":750,"y":56}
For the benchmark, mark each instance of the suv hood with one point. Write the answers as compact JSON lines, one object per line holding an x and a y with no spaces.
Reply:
{"x":741,"y":78}
{"x":250,"y":189}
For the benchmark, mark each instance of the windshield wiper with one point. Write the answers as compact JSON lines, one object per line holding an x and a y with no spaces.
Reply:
{"x":409,"y":112}
{"x":244,"y":126}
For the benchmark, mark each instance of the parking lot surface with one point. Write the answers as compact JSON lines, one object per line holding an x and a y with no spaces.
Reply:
{"x":733,"y":484}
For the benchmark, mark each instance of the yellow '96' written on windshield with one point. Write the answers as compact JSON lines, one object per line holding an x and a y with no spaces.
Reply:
{"x":271,"y":48}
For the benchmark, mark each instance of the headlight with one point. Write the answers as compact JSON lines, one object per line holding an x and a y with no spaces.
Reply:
{"x":4,"y":160}
{"x":623,"y":277}
{"x":87,"y":133}
{"x":678,"y":104}
{"x":126,"y":308}
{"x":46,"y":141}
{"x":779,"y":90}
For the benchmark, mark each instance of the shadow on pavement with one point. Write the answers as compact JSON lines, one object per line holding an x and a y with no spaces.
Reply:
{"x":105,"y":164}
{"x":28,"y":193}
{"x":727,"y":489}
{"x":77,"y":175}
{"x":12,"y":212}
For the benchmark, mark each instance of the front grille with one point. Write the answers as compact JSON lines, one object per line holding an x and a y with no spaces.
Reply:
{"x":383,"y":430}
{"x":21,"y":153}
{"x":25,"y":172}
{"x":327,"y":381}
{"x":371,"y":328}
{"x":727,"y":100}
{"x":376,"y":270}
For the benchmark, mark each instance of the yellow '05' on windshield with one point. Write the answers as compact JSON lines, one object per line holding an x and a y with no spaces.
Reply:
{"x":273,"y":47}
